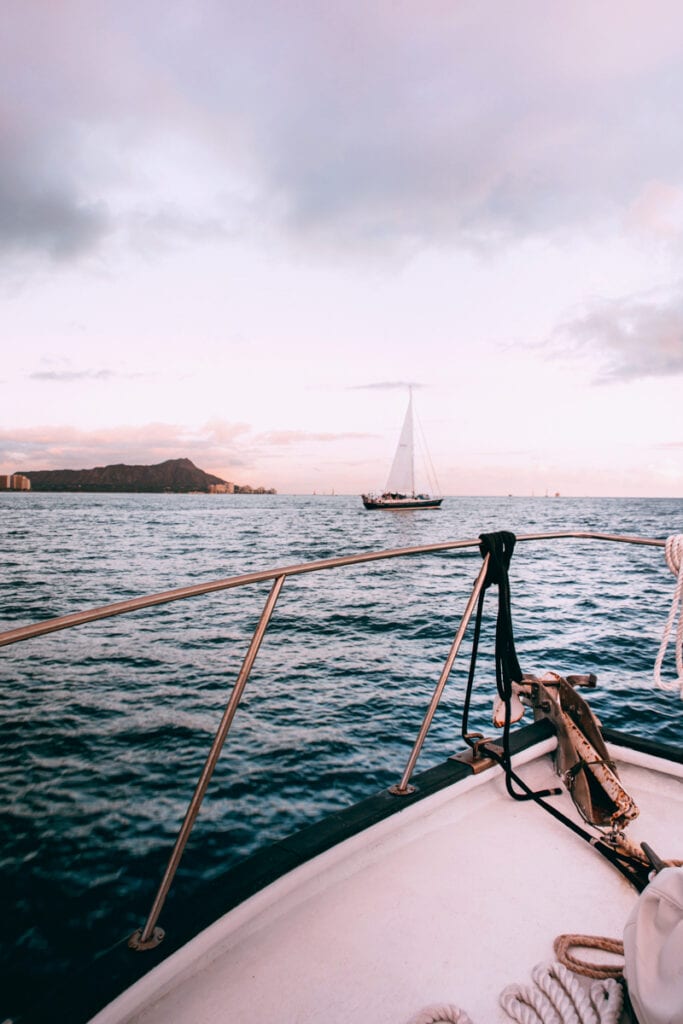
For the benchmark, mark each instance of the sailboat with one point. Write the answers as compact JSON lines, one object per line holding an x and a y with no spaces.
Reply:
{"x":400,"y":492}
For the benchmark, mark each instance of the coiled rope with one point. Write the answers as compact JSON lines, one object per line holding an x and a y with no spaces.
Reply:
{"x":445,"y":1013}
{"x":563,"y":944}
{"x":556,"y":996}
{"x":673,"y":552}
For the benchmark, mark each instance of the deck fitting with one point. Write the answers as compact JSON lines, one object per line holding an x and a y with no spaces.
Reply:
{"x":473,"y":758}
{"x":135,"y":941}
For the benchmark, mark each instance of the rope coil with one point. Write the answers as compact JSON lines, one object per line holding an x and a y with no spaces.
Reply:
{"x":557,"y":997}
{"x":673,"y":552}
{"x":445,"y":1013}
{"x":563,"y":943}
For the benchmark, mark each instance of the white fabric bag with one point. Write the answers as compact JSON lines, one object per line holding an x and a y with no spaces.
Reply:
{"x":653,"y":950}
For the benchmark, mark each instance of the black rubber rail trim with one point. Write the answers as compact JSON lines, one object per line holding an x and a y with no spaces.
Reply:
{"x":644,"y":746}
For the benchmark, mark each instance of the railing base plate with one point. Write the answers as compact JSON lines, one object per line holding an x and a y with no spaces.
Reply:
{"x":135,"y":941}
{"x":397,"y":791}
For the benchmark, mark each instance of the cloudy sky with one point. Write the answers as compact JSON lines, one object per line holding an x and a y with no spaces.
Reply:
{"x":236,"y":231}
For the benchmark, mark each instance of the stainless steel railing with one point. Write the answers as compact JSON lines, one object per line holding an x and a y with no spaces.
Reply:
{"x":108,"y":611}
{"x":150,"y":935}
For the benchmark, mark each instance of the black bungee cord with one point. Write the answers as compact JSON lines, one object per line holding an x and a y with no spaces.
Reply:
{"x":499,"y":547}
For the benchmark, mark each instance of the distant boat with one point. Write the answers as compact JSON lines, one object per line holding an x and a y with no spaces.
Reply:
{"x":400,"y":493}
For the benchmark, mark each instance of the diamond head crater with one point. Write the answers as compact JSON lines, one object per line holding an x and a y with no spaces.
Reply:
{"x":175,"y":476}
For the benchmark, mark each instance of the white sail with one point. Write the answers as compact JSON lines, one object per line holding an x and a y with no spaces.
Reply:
{"x":401,"y":479}
{"x":403,"y":489}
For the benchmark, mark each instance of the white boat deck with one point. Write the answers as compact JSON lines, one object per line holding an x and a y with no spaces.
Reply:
{"x":448,"y":902}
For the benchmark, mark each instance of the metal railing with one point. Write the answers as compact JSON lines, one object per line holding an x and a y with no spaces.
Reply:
{"x":150,"y":935}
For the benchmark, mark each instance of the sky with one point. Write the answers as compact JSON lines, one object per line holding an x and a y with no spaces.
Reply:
{"x":236,"y":232}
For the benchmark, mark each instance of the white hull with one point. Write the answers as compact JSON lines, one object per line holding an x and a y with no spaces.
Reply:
{"x":448,"y":902}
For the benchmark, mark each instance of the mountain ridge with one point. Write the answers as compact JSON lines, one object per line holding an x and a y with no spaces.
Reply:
{"x":173,"y":475}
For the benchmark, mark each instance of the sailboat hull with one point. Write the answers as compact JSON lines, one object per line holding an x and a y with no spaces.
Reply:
{"x":399,"y":504}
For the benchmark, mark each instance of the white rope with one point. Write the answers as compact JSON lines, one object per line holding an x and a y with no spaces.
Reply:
{"x":441,"y":1014}
{"x":674,"y":559}
{"x":558,"y":997}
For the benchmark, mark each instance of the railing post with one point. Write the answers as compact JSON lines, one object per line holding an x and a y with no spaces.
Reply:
{"x":403,"y":789}
{"x":150,"y":936}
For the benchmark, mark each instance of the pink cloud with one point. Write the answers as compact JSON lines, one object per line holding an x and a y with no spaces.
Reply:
{"x":65,"y":447}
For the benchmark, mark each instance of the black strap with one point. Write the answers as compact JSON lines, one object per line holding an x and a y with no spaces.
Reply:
{"x":499,"y":547}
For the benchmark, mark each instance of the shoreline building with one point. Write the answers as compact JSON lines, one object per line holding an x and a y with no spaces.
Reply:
{"x":14,"y":482}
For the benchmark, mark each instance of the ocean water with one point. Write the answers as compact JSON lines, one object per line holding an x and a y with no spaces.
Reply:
{"x":104,"y":729}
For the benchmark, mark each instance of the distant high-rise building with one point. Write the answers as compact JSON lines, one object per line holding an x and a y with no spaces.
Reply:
{"x":15,"y":482}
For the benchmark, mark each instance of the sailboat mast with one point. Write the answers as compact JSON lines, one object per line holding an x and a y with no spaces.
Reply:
{"x":411,"y":441}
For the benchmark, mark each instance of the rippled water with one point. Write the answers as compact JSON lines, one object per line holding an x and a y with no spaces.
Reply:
{"x":104,"y":729}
